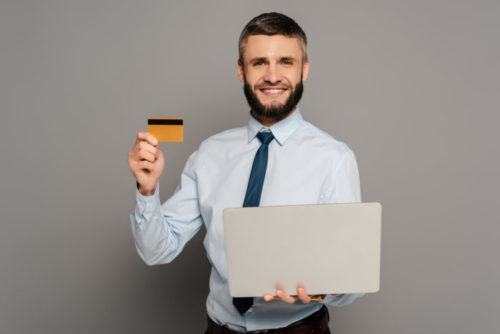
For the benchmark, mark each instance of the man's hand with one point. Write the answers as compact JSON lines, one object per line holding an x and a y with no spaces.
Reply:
{"x":285,"y":297}
{"x":146,"y":162}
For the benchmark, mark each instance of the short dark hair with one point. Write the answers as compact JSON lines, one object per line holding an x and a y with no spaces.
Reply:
{"x":272,"y":24}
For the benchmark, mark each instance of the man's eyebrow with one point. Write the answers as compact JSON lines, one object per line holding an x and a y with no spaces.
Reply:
{"x":264,"y":59}
{"x":253,"y":60}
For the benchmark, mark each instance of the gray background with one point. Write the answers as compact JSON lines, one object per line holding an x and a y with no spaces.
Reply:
{"x":411,"y":86}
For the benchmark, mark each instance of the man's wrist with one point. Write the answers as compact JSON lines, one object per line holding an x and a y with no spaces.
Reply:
{"x":144,"y":192}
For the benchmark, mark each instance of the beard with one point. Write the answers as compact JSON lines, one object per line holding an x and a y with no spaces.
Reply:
{"x":273,"y":112}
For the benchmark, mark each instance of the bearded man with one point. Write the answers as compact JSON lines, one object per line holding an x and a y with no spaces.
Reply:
{"x":276,"y":159}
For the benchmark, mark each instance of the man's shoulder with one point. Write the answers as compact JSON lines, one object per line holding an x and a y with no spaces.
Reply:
{"x":313,"y":136}
{"x":225,"y":138}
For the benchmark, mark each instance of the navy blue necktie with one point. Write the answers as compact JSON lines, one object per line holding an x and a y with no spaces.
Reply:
{"x":252,"y":197}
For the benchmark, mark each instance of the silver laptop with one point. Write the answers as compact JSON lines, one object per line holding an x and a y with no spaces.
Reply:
{"x":328,"y":248}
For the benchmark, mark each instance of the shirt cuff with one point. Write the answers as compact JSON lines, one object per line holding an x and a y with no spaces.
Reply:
{"x":342,"y":299}
{"x":140,"y":198}
{"x":145,"y":206}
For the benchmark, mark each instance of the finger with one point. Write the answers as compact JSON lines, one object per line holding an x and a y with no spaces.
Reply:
{"x":285,"y":297}
{"x":268,"y":297}
{"x":146,"y":136}
{"x":145,"y":155}
{"x":303,"y":296}
{"x":142,"y":145}
{"x":145,"y":165}
{"x":159,"y":154}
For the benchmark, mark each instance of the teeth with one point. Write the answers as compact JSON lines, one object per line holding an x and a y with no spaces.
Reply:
{"x":273,"y":91}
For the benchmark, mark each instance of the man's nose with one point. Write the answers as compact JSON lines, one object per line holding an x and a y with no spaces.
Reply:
{"x":272,"y":74}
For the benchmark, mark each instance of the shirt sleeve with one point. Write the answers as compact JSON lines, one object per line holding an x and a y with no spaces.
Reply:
{"x":344,"y":188}
{"x":161,"y":231}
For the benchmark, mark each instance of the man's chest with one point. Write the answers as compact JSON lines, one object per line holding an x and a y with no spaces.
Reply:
{"x":291,"y":177}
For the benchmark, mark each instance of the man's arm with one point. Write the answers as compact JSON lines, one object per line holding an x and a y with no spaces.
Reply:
{"x":344,"y":188}
{"x":161,"y":231}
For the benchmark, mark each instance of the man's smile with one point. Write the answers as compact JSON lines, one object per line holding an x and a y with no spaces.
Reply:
{"x":272,"y":91}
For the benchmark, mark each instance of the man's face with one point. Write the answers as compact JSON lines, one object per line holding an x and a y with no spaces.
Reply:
{"x":273,"y":72}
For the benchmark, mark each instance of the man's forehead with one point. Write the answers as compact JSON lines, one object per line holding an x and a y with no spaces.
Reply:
{"x":272,"y":46}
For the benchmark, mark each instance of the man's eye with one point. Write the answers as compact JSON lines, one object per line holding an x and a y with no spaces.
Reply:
{"x":287,"y":62}
{"x":257,"y":63}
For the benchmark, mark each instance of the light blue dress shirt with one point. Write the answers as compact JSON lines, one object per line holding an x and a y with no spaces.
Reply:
{"x":305,"y":166}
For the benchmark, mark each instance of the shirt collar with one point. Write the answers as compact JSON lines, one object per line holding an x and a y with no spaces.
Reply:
{"x":281,"y":130}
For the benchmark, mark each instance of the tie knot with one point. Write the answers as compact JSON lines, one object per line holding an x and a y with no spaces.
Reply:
{"x":265,"y":137}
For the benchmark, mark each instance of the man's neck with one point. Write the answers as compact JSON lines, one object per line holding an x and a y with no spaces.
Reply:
{"x":268,"y":122}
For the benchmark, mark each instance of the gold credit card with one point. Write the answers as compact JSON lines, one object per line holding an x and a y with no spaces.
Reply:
{"x":166,"y":128}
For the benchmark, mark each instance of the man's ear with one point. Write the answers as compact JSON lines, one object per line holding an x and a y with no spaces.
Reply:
{"x":305,"y":70}
{"x":241,"y":74}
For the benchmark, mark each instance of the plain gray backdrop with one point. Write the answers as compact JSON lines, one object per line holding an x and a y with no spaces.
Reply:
{"x":411,"y":86}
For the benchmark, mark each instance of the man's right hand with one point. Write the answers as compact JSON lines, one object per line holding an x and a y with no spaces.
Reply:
{"x":146,"y":162}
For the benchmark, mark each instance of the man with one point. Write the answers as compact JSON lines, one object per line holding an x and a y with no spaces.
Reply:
{"x":276,"y":159}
